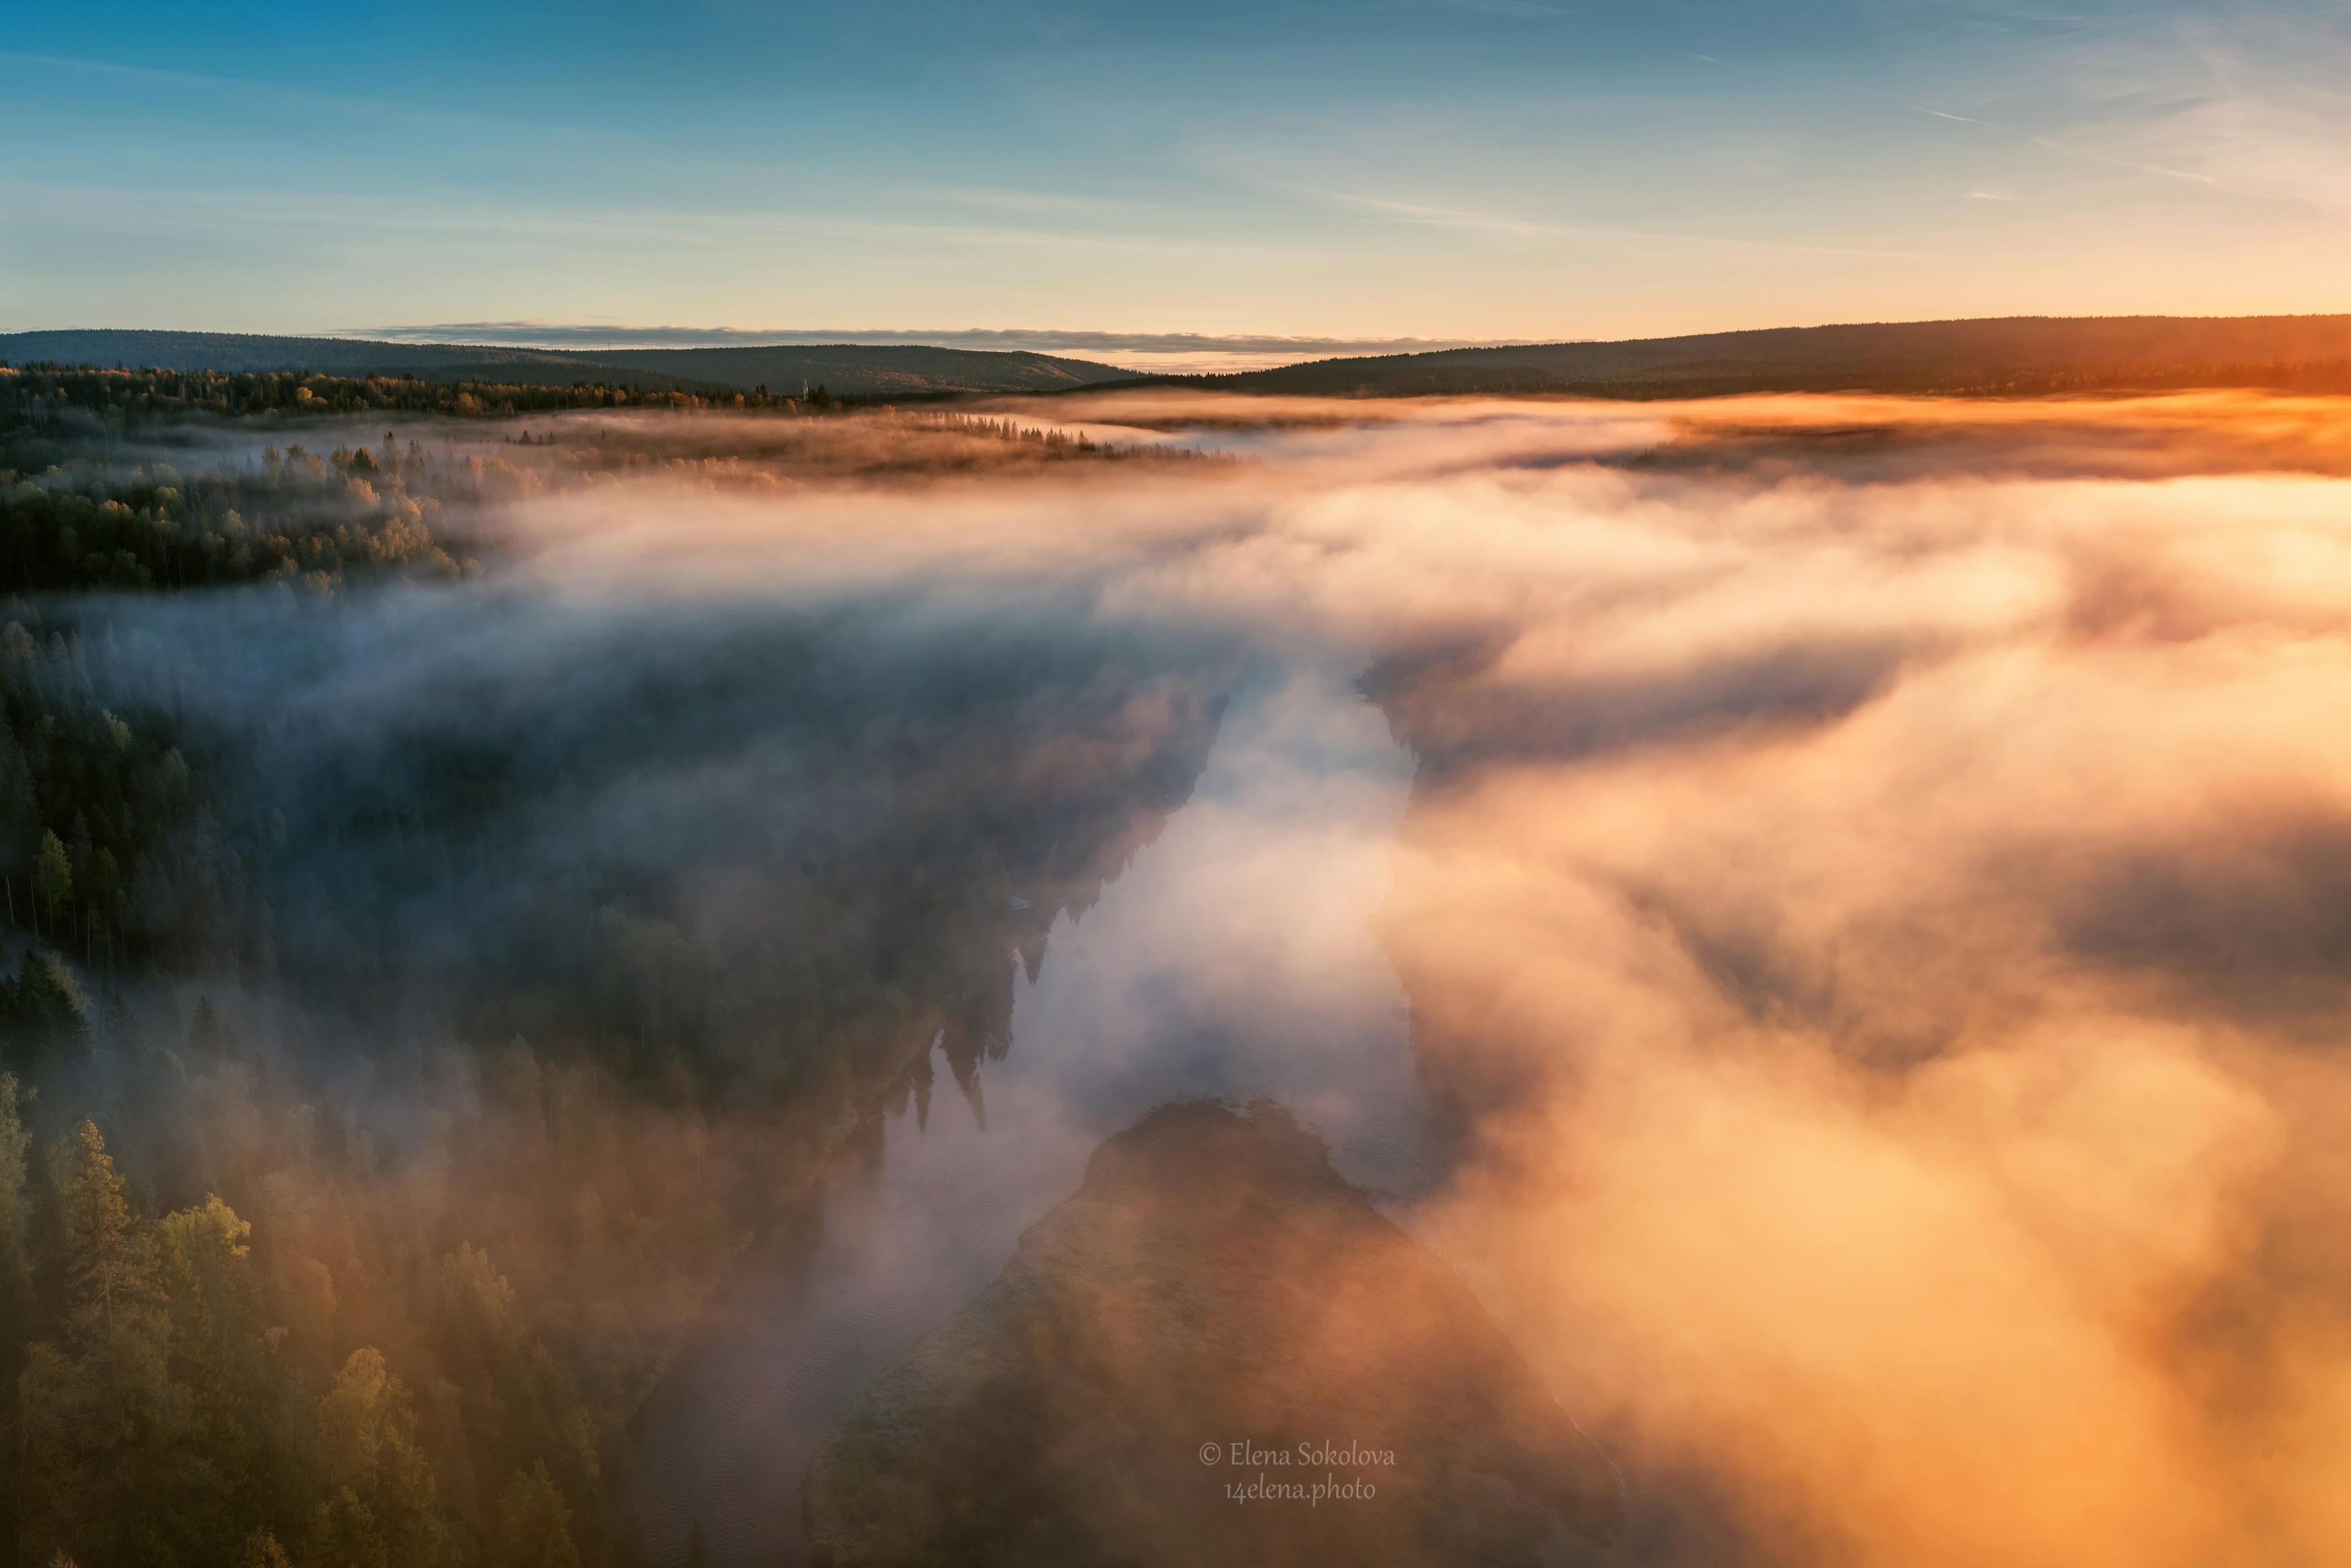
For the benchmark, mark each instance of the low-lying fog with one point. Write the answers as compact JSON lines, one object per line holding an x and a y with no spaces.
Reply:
{"x":1833,"y":913}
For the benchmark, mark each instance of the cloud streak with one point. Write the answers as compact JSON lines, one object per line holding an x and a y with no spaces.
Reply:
{"x":1527,"y":228}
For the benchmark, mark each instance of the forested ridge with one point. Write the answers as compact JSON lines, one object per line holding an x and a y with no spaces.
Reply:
{"x":1998,"y":356}
{"x":376,"y":1124}
{"x":901,"y":370}
{"x":1361,"y":378}
{"x":61,"y":401}
{"x":350,"y":1381}
{"x":71,"y":518}
{"x":301,"y":517}
{"x":49,"y":415}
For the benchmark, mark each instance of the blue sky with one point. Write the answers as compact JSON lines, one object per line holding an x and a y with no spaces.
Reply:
{"x":1482,"y":169}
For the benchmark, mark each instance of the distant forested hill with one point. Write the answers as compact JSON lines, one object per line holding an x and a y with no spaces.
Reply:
{"x":860,"y":368}
{"x":2019,"y":355}
{"x":238,"y":351}
{"x":844,"y":368}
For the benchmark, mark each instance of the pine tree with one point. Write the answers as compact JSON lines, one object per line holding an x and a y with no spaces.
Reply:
{"x":534,"y":1524}
{"x":343,"y":1535}
{"x":120,"y":1030}
{"x":80,"y":849}
{"x":521,"y":1405}
{"x":383,"y":1504}
{"x":114,"y":1308}
{"x":16,"y":1304}
{"x":224,"y":1357}
{"x":262,"y":1551}
{"x":52,"y":876}
{"x":16,"y":1256}
{"x":99,"y":1417}
{"x":44,"y":1013}
{"x":207,"y":1035}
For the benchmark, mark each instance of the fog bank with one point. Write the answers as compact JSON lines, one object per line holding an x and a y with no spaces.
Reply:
{"x":1873,"y":905}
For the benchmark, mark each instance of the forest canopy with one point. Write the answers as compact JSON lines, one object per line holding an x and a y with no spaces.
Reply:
{"x":376,"y":1123}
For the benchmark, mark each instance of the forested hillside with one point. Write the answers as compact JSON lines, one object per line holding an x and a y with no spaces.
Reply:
{"x":875,"y":369}
{"x":2019,"y":356}
{"x":846,"y":368}
{"x":46,"y":409}
{"x":241,"y":353}
{"x":257,"y":1306}
{"x":414,"y":994}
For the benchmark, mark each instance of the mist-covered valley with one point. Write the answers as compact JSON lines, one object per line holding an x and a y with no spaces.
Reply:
{"x":1749,"y":981}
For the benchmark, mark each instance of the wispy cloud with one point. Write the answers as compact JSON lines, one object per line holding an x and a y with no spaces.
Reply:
{"x":1938,"y":114}
{"x":2260,"y":110}
{"x":2254,"y":107}
{"x":1524,"y":228}
{"x":2063,"y":151}
{"x":309,"y":213}
{"x":2144,"y":167}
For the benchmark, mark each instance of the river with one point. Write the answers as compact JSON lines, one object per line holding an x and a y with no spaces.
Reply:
{"x":1232,"y":958}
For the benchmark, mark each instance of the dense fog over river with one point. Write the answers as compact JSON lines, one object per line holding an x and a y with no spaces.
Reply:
{"x":1232,"y":957}
{"x":1828,"y":913}
{"x":1760,"y":757}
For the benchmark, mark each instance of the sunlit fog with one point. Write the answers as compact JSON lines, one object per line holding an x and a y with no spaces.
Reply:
{"x":1160,"y":976}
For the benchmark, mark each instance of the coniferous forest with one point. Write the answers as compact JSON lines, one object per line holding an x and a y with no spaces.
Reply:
{"x":1404,"y":786}
{"x":1476,"y":980}
{"x":417,"y":996}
